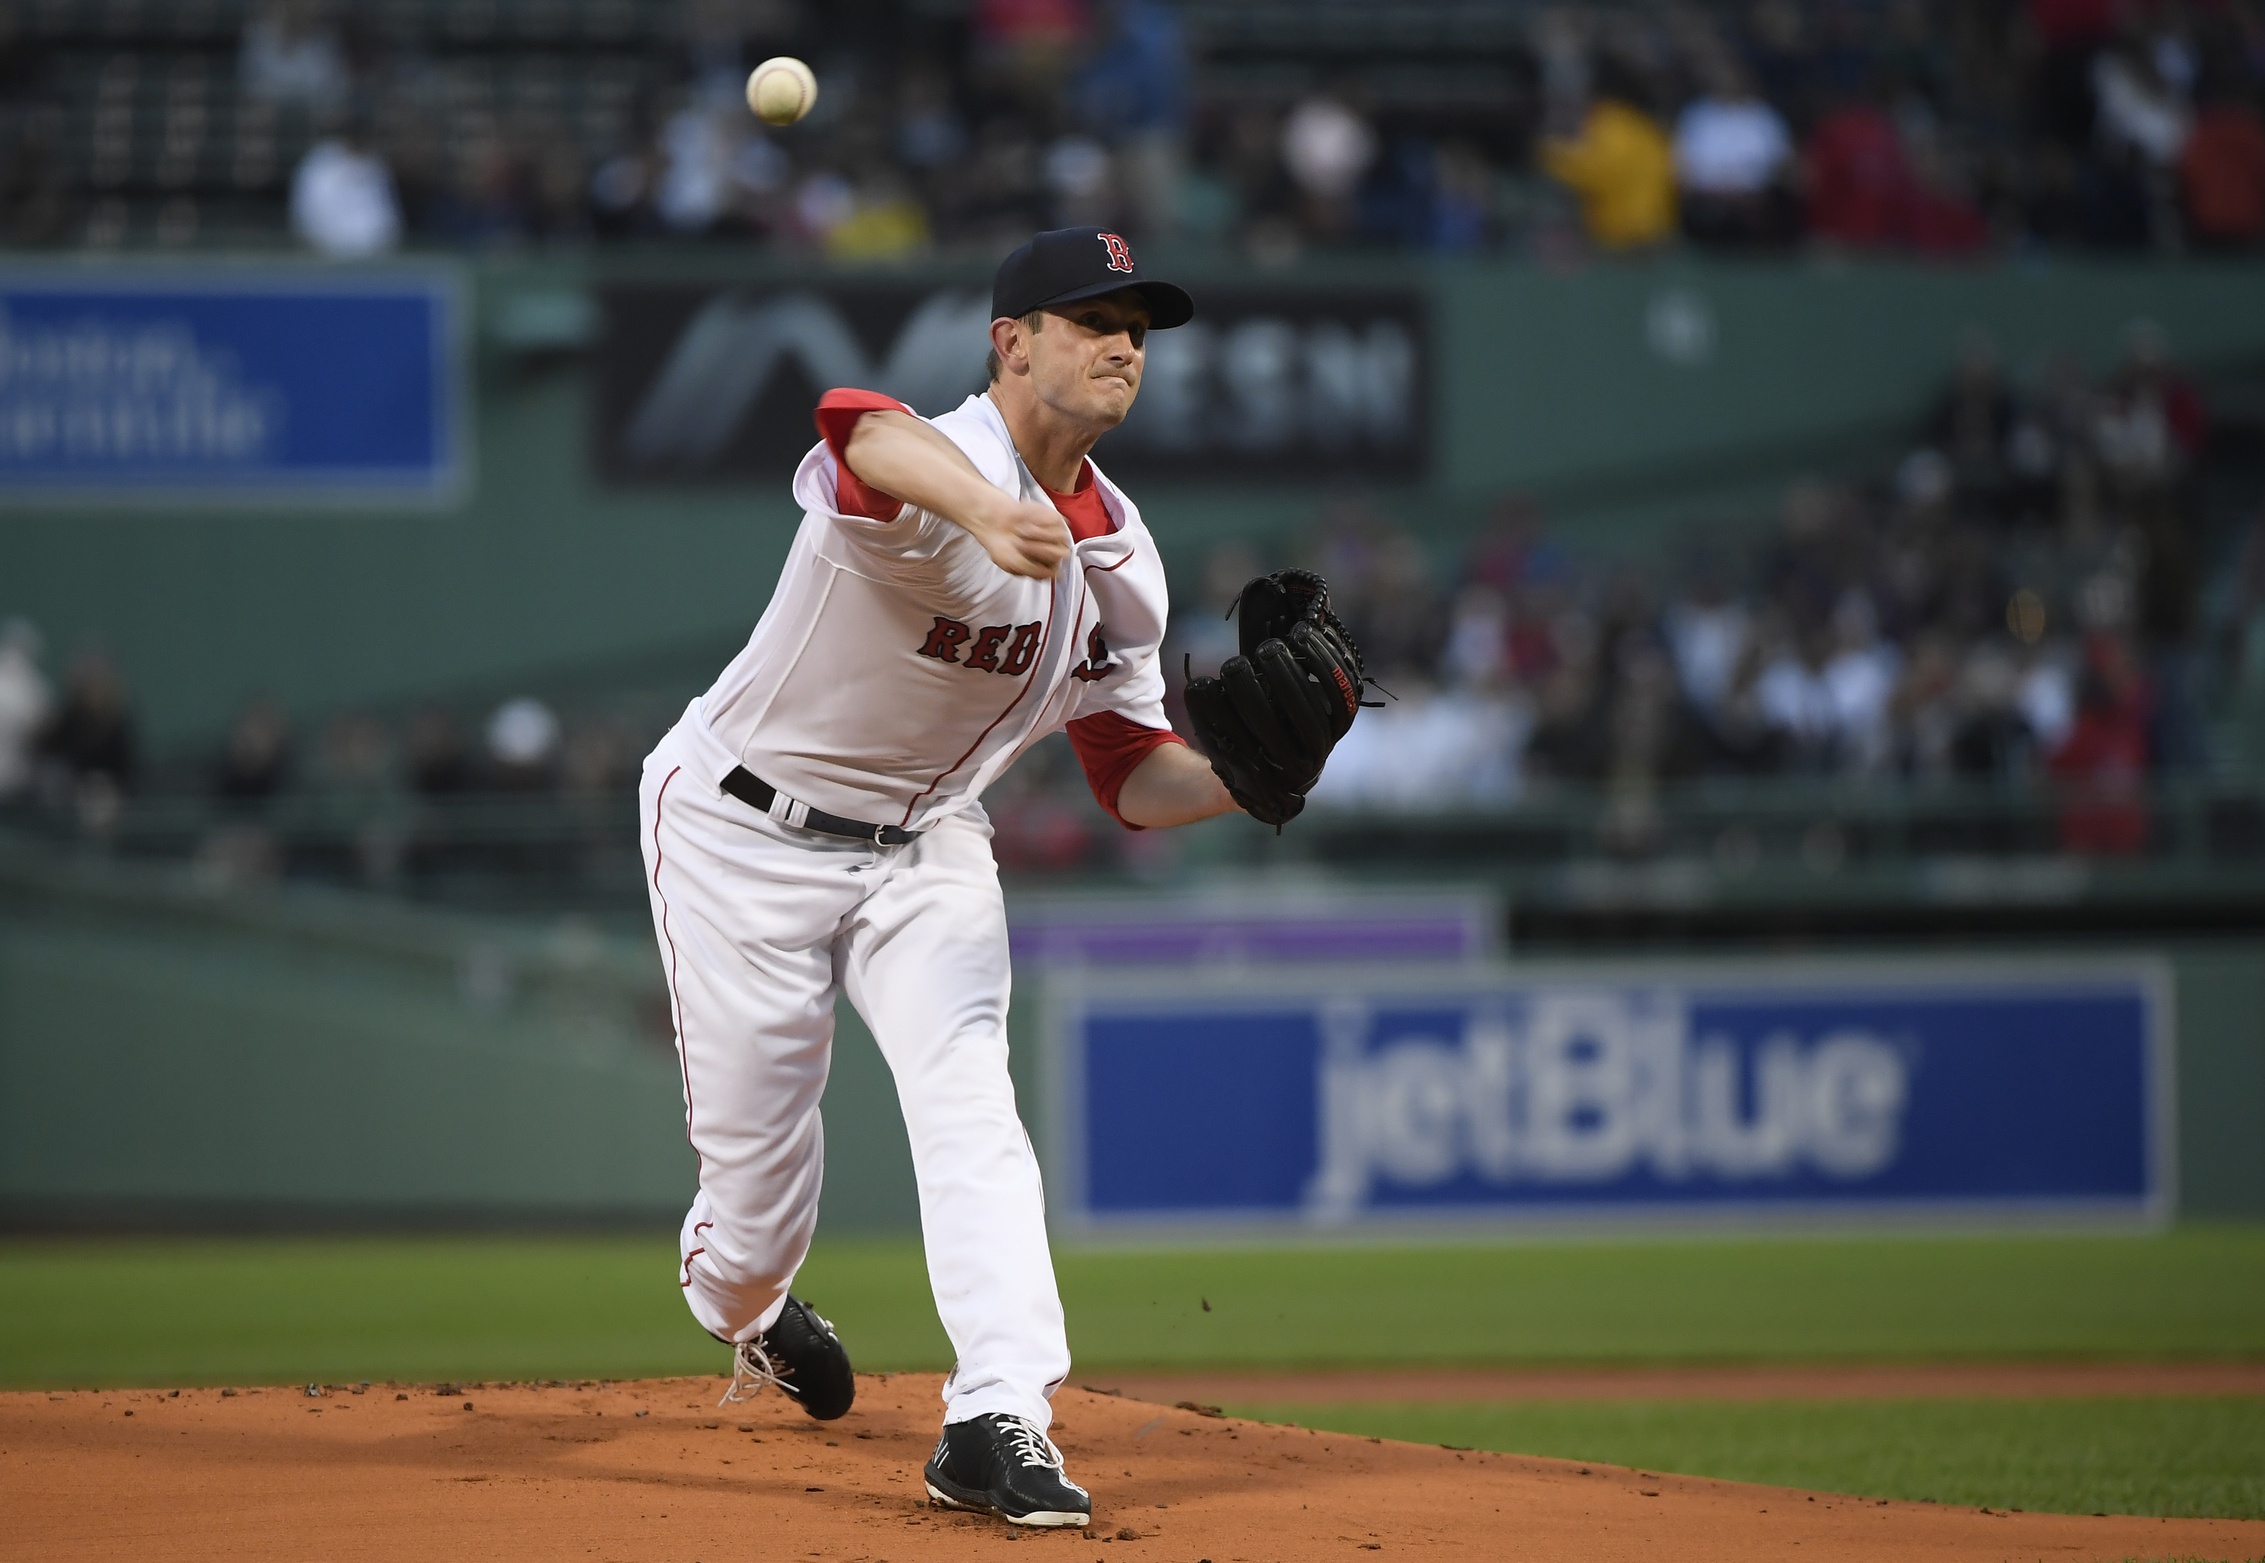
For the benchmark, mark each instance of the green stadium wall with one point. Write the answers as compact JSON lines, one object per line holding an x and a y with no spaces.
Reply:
{"x":174,"y":1060}
{"x":1630,"y":397}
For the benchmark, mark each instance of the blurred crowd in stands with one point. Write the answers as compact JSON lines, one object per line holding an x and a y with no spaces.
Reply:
{"x":56,"y":743}
{"x":2051,"y":594}
{"x":2028,"y":596}
{"x":71,"y":756}
{"x":1941,"y":126}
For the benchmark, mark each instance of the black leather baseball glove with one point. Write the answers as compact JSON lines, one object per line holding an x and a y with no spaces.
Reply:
{"x":1269,"y":720}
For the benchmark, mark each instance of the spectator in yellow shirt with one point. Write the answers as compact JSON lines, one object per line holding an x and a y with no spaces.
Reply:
{"x":1622,"y":168}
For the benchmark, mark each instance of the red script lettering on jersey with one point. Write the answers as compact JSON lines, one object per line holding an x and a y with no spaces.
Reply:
{"x":1095,"y":667}
{"x":996,"y":648}
{"x":945,"y":639}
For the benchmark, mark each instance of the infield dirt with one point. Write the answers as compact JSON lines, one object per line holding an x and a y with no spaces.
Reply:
{"x":655,"y":1470}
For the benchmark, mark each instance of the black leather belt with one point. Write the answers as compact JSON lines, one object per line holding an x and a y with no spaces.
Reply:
{"x":757,"y":793}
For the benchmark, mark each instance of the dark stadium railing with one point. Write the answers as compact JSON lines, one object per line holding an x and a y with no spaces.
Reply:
{"x":1716,"y":858}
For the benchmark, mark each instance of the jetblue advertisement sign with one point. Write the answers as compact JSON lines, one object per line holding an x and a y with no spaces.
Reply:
{"x":227,"y":384}
{"x":717,"y":384}
{"x":1256,"y":1098}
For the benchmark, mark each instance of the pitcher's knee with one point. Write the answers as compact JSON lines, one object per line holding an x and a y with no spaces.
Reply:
{"x":733,"y":1279}
{"x":967,"y":1074}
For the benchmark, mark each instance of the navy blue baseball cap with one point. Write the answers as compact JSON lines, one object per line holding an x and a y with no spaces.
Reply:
{"x":1064,"y":265}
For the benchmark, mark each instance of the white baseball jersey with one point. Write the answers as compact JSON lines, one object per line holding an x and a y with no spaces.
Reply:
{"x":895,"y":673}
{"x":899,"y":670}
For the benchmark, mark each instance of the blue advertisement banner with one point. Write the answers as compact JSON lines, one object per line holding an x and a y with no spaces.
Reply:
{"x":176,"y":384}
{"x":1508,"y":1094}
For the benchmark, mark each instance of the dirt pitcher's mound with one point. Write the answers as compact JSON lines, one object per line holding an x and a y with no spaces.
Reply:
{"x":655,"y":1470}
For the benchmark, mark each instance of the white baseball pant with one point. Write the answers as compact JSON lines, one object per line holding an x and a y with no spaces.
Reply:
{"x":759,"y":926}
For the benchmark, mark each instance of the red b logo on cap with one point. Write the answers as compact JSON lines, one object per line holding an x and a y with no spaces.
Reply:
{"x":1120,"y":257}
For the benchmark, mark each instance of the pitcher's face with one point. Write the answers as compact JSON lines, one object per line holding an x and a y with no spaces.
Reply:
{"x":1086,"y":359}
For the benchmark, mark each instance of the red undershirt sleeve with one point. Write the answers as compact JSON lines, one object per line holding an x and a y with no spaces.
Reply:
{"x":1110,"y":747}
{"x":838,"y":412}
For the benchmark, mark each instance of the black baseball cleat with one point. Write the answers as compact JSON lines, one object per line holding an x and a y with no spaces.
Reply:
{"x":802,"y":1356}
{"x":1000,"y":1464}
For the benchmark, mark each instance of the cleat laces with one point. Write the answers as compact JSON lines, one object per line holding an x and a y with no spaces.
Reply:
{"x":1027,"y":1446}
{"x":751,"y":1369}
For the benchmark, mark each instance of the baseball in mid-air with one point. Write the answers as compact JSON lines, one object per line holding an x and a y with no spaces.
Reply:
{"x":781,"y":90}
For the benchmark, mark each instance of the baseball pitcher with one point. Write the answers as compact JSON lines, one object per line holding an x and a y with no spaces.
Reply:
{"x":960,"y":588}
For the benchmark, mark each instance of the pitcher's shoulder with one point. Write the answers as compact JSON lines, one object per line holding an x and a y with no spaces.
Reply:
{"x":976,"y":427}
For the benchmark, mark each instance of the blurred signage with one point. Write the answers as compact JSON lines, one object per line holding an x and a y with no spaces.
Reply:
{"x":1415,"y":1097}
{"x":710,"y":385}
{"x":1277,"y":384}
{"x":187,"y":385}
{"x":1251,"y":929}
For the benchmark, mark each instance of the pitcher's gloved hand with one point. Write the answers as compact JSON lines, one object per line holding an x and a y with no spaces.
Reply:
{"x":1269,"y":720}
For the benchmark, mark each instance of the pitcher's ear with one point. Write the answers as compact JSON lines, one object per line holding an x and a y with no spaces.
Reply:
{"x":1010,"y":346}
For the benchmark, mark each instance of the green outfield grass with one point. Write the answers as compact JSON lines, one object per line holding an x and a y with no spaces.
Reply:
{"x":2191,"y":1293}
{"x":282,"y":1310}
{"x":2187,"y":1456}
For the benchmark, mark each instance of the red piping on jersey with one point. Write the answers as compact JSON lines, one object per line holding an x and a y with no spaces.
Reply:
{"x":938,"y":780}
{"x":697,"y":1228}
{"x":1076,"y":614}
{"x":683,"y":1055}
{"x":1046,"y":640}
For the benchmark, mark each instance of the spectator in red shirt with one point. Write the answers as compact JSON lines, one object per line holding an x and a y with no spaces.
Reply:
{"x":1027,"y":46}
{"x":2103,"y":765}
{"x":1866,"y":192}
{"x":1860,"y":184}
{"x":2064,"y":24}
{"x":2222,"y":171}
{"x":1058,"y":24}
